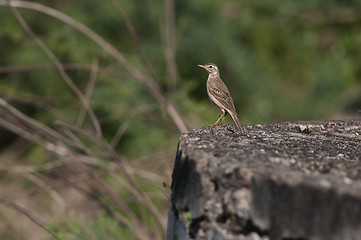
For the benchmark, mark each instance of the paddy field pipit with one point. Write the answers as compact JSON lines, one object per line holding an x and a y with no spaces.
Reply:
{"x":219,"y":95}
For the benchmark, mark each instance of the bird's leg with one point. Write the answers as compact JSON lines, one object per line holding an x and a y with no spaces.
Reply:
{"x":216,"y":123}
{"x":225,"y":114}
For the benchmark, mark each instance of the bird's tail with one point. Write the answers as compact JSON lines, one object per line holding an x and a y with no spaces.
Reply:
{"x":235,"y":119}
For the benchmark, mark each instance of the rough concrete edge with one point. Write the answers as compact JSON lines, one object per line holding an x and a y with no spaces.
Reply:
{"x":182,"y":202}
{"x":345,"y":220}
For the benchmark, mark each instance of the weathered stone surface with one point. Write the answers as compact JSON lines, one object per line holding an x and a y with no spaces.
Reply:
{"x":297,"y":180}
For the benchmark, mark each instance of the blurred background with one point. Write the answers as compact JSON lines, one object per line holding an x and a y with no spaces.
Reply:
{"x":94,"y":96}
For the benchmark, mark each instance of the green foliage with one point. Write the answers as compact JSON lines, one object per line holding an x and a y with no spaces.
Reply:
{"x":284,"y":60}
{"x":101,"y":227}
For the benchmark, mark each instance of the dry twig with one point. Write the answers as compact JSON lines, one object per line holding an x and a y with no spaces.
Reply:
{"x":67,"y":66}
{"x":169,"y":23}
{"x":71,"y":142}
{"x":89,"y":90}
{"x":34,"y":218}
{"x":152,"y":87}
{"x":62,"y":72}
{"x":135,"y":38}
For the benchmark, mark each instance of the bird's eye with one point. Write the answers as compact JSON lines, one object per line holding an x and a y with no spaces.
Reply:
{"x":210,"y":66}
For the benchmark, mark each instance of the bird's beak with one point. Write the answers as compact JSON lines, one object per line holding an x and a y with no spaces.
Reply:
{"x":202,"y":66}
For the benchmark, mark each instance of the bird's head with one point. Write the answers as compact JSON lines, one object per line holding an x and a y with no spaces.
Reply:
{"x":211,"y":68}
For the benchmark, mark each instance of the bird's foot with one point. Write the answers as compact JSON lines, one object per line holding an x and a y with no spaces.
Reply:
{"x":216,"y":125}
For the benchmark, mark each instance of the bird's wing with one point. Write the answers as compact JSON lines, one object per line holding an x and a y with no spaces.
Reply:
{"x":222,"y":95}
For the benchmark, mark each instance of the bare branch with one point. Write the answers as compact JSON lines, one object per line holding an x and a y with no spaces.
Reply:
{"x":112,"y":167}
{"x":44,"y":167}
{"x":39,"y":127}
{"x":102,"y":187}
{"x":34,"y":218}
{"x":153,"y":88}
{"x":62,"y":72}
{"x":87,"y":160}
{"x":66,"y":66}
{"x":20,"y":131}
{"x":78,"y":143}
{"x":122,"y":127}
{"x":135,"y":38}
{"x":82,"y":132}
{"x":169,"y":17}
{"x":142,"y":197}
{"x":123,"y":166}
{"x":42,"y":184}
{"x":38,"y":104}
{"x":120,"y":131}
{"x":89,"y":90}
{"x":81,"y":28}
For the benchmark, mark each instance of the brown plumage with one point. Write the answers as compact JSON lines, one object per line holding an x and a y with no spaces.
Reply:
{"x":219,"y":95}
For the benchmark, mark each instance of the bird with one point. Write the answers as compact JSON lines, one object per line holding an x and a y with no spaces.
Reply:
{"x":220,"y":96}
